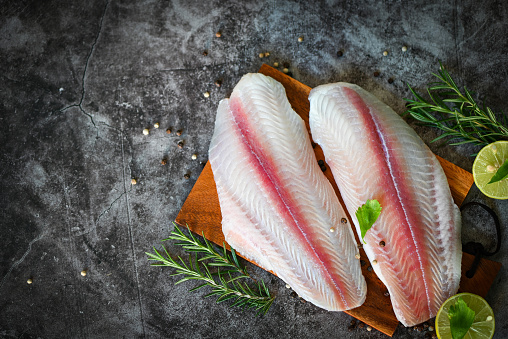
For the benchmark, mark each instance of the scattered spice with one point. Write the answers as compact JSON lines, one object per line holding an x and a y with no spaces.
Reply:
{"x":164,"y":161}
{"x":321,"y":162}
{"x":357,"y":256}
{"x":369,"y":328}
{"x":385,"y":53}
{"x":218,"y":34}
{"x":313,"y":144}
{"x":293,"y":294}
{"x":362,"y":262}
{"x":267,"y":54}
{"x":382,"y":243}
{"x":353,"y":322}
{"x":275,"y":64}
{"x":286,"y":64}
{"x":146,"y":131}
{"x":300,"y":39}
{"x":287,"y":286}
{"x":361,"y":325}
{"x":180,"y":144}
{"x":218,"y":83}
{"x":179,"y":132}
{"x":374,"y":262}
{"x":360,"y":245}
{"x":261,"y":55}
{"x":83,"y":273}
{"x":343,"y":221}
{"x":404,"y":48}
{"x":168,"y":131}
{"x":29,"y":281}
{"x":369,"y":268}
{"x":340,"y":53}
{"x":376,"y":74}
{"x":194,"y":156}
{"x":205,"y":53}
{"x":206,"y":94}
{"x":431,"y":328}
{"x":285,"y":70}
{"x":390,"y":81}
{"x":386,"y":294}
{"x":332,"y":229}
{"x":156,"y":125}
{"x":186,"y":176}
{"x":133,"y":181}
{"x":323,"y":167}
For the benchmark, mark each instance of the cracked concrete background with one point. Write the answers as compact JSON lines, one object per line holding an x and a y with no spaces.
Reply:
{"x":81,"y":80}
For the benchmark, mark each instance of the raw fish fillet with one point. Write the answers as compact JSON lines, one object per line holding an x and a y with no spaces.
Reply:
{"x":278,"y":209}
{"x":374,"y":154}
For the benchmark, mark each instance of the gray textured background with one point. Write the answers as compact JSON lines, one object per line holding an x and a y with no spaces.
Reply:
{"x":79,"y":80}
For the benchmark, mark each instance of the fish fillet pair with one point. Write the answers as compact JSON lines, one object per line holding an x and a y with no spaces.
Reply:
{"x":279,"y":210}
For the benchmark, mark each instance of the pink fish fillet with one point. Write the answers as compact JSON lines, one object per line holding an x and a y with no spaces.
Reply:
{"x":278,"y":209}
{"x":374,"y":154}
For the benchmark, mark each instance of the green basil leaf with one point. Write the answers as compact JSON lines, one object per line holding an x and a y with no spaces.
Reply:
{"x":501,"y":173}
{"x":367,"y":215}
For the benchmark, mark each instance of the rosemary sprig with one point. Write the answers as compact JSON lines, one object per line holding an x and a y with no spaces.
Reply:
{"x":224,"y":284}
{"x":456,"y":113}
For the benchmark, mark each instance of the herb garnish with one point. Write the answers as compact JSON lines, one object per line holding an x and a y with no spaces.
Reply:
{"x":501,"y":173}
{"x":461,"y":318}
{"x":456,"y":113}
{"x":224,"y":283}
{"x":367,"y":215}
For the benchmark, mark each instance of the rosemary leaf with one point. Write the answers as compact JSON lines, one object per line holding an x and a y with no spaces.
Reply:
{"x":456,"y":113}
{"x":225,"y":282}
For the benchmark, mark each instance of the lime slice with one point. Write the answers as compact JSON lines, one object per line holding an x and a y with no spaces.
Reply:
{"x":483,"y":324}
{"x":486,"y":164}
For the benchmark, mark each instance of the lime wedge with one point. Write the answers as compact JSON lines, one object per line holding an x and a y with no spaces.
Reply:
{"x":486,"y":164}
{"x":483,"y":324}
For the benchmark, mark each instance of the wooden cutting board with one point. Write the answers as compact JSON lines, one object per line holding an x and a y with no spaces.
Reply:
{"x":201,"y":212}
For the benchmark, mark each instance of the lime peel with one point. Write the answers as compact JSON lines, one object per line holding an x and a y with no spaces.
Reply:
{"x":487,"y":163}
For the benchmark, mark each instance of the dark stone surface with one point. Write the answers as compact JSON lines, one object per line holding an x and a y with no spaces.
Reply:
{"x":79,"y":81}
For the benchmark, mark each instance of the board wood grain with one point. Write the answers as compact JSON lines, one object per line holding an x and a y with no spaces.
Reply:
{"x":201,"y":213}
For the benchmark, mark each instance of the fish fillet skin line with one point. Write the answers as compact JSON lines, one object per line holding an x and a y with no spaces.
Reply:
{"x":374,"y":154}
{"x":277,"y":206}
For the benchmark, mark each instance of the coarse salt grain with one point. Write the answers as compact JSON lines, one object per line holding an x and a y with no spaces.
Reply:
{"x":206,"y":94}
{"x":146,"y":131}
{"x":194,"y":156}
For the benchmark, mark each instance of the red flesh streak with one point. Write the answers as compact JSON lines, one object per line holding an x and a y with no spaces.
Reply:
{"x":394,"y":185}
{"x":287,"y":208}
